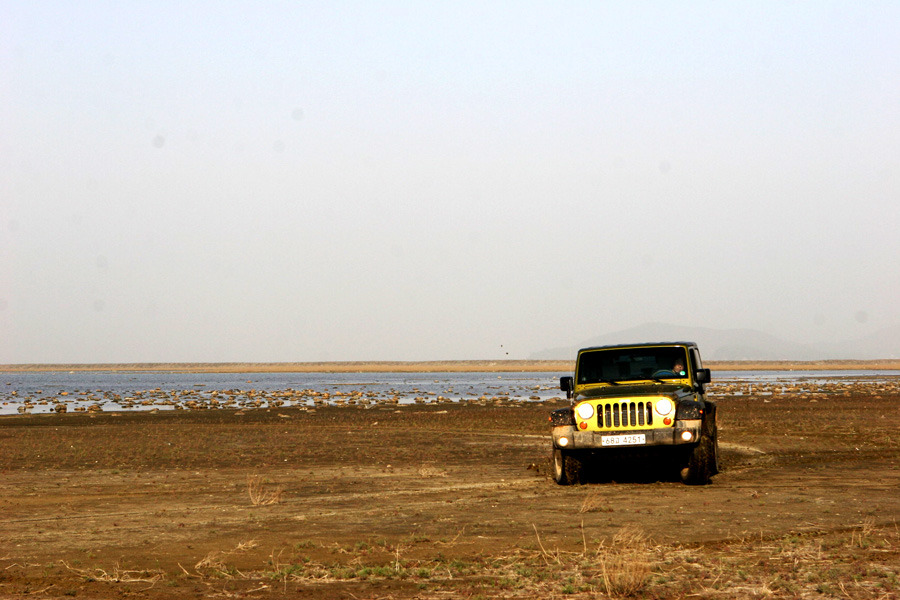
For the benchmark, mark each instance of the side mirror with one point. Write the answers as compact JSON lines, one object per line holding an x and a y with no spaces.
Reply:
{"x":702,"y":376}
{"x":567,"y":384}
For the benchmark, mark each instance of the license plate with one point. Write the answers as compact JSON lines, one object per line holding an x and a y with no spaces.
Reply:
{"x":623,"y":440}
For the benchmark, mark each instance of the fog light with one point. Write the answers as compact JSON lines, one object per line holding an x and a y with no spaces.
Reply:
{"x":686,"y":436}
{"x":563,"y":441}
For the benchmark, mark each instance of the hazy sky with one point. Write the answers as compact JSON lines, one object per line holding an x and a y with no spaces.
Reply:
{"x":291,"y":181}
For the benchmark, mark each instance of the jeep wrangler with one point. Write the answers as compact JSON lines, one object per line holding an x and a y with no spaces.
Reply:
{"x":636,"y":401}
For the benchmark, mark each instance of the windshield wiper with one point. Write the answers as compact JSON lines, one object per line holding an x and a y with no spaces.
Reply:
{"x":632,"y":380}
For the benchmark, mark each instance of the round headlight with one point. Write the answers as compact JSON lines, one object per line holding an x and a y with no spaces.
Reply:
{"x":664,"y":406}
{"x":585,"y":411}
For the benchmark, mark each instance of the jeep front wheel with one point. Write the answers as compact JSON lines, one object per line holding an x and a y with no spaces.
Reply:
{"x":567,"y":468}
{"x":703,"y":461}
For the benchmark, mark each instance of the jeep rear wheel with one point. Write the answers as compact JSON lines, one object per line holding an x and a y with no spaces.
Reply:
{"x":567,"y":468}
{"x":714,"y":463}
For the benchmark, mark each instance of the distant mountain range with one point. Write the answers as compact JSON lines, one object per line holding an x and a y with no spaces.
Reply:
{"x":743,"y":344}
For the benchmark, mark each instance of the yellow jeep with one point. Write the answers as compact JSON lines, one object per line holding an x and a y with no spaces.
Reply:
{"x":636,"y":401}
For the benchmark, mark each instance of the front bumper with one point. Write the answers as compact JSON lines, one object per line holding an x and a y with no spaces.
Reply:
{"x":592,"y":440}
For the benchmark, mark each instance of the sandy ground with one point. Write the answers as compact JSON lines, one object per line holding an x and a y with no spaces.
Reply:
{"x":443,"y":500}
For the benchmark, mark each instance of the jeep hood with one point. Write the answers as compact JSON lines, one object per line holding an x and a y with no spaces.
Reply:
{"x":632,"y":391}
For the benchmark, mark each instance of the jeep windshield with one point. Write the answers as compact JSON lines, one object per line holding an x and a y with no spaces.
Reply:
{"x":616,"y":365}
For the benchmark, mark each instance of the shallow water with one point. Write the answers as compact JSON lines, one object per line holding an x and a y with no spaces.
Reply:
{"x":166,"y":391}
{"x":812,"y":375}
{"x":45,"y":392}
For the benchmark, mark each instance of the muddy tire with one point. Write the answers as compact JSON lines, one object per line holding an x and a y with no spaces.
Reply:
{"x":714,"y":467}
{"x":703,"y":461}
{"x":567,"y":467}
{"x":714,"y":432}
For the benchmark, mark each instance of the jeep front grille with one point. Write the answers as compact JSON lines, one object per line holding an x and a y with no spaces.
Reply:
{"x":624,"y":414}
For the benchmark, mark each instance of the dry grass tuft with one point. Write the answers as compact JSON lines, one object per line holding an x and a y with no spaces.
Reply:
{"x":594,"y":502}
{"x":245,"y":546}
{"x":119,"y":575}
{"x":631,"y":537}
{"x":861,"y":538}
{"x":214,"y":561}
{"x":626,"y":565}
{"x":621,"y":569}
{"x":259,"y":495}
{"x":624,"y":574}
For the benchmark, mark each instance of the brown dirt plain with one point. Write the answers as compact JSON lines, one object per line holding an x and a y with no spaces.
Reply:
{"x":443,"y":500}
